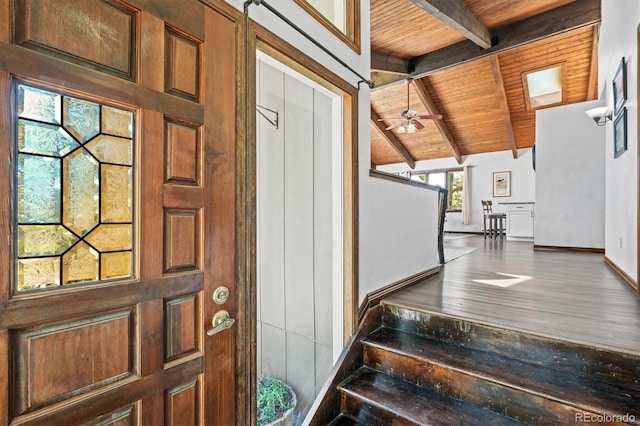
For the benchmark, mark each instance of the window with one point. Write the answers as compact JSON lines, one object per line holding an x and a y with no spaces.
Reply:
{"x":75,"y":190}
{"x":341,"y":17}
{"x":451,"y":179}
{"x":544,"y":87}
{"x":333,"y":10}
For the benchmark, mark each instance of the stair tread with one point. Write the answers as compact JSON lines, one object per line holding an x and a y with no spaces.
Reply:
{"x":415,"y":404}
{"x":581,"y":391}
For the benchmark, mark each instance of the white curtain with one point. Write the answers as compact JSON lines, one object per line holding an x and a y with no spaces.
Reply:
{"x":466,"y":196}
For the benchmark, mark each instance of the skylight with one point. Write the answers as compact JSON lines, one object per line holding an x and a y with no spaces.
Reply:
{"x":544,"y":87}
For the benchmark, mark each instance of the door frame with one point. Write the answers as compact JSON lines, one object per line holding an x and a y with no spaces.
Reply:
{"x":259,"y":38}
{"x":637,"y":280}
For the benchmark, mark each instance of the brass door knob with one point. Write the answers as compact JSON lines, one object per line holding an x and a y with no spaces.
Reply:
{"x":220,"y":321}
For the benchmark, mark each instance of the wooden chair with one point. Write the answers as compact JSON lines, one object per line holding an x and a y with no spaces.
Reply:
{"x":496,"y":220}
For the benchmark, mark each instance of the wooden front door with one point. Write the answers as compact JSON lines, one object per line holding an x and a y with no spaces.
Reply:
{"x":117,"y":212}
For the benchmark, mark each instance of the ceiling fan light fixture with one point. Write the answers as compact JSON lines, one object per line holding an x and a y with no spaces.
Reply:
{"x":411,"y":128}
{"x":402,"y":129}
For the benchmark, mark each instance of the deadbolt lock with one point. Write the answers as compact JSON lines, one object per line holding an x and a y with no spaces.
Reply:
{"x":221,"y":295}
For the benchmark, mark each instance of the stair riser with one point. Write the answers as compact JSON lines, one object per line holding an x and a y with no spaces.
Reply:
{"x":614,"y":367}
{"x":360,"y":411}
{"x":502,"y":399}
{"x":375,"y":398}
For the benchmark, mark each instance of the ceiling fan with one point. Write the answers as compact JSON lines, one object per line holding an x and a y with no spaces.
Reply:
{"x":409,"y":120}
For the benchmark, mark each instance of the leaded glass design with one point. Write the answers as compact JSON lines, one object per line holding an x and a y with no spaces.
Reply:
{"x":74,"y":190}
{"x":38,"y":194}
{"x":44,"y":139}
{"x":81,"y":118}
{"x":81,"y":192}
{"x":38,"y":105}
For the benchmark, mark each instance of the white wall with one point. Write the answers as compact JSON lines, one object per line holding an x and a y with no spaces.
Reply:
{"x":481,"y":177}
{"x":398,"y":233}
{"x":618,"y":39}
{"x":570,"y":178}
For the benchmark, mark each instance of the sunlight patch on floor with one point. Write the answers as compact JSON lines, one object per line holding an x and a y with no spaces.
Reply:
{"x":505,"y":282}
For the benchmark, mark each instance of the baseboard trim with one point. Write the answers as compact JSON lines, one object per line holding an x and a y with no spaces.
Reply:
{"x":576,"y":249}
{"x":464,"y":232}
{"x":626,"y":277}
{"x":373,"y":298}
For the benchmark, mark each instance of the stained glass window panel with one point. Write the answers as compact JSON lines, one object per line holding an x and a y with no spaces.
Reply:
{"x":115,"y":265}
{"x":74,"y":197}
{"x":81,"y":192}
{"x":44,"y":139}
{"x":38,"y":273}
{"x":38,"y":104}
{"x":81,"y":118}
{"x":80,"y":264}
{"x":38,"y":189}
{"x":110,"y":149}
{"x":116,"y":194}
{"x":117,"y":122}
{"x":43,"y":240}
{"x":111,"y":237}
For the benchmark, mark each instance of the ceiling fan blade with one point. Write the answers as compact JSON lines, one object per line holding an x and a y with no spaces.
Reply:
{"x":431,"y":117}
{"x":418,"y":125}
{"x":392,"y":126}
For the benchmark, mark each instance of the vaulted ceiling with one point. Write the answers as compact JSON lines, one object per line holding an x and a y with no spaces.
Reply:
{"x":465,"y":60}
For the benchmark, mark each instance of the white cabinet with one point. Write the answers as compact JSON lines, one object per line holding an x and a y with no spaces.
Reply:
{"x":520,"y":218}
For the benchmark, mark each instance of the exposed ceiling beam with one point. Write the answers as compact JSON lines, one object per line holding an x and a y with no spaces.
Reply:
{"x":592,"y":88}
{"x":430,"y":107}
{"x":575,"y":15}
{"x":387,"y":63}
{"x":504,"y":105}
{"x":456,"y":15}
{"x":572,"y":16}
{"x":384,"y":79}
{"x":392,"y":140}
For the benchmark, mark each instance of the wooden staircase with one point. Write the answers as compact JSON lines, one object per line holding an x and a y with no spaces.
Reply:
{"x":418,"y":368}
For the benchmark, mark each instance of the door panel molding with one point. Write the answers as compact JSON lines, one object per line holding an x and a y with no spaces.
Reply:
{"x":109,"y":47}
{"x":37,"y":383}
{"x":169,"y":376}
{"x":132,"y":391}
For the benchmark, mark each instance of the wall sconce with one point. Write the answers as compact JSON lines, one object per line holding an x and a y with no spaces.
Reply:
{"x":600,"y":115}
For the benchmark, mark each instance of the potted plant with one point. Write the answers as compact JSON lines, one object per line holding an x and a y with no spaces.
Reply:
{"x":276,"y":402}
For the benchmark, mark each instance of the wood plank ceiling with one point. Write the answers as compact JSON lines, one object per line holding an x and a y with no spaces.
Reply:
{"x":465,"y":60}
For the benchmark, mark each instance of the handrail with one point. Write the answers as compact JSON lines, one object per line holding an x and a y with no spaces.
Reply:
{"x":443,"y":195}
{"x":401,"y":179}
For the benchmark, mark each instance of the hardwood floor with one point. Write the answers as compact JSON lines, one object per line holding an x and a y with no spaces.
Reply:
{"x":570,"y":295}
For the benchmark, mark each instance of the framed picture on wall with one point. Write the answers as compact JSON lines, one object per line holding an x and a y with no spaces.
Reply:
{"x":502,"y":184}
{"x":620,"y":87}
{"x":620,"y":134}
